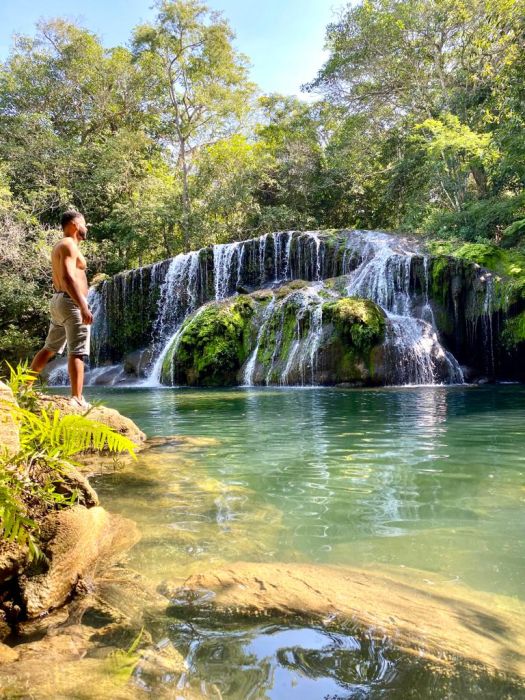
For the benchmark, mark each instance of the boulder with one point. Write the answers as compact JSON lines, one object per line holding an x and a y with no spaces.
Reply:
{"x":77,"y":542}
{"x":135,"y":363}
{"x":8,"y":429}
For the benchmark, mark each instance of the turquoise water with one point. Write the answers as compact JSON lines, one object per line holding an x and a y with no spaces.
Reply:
{"x":429,"y":479}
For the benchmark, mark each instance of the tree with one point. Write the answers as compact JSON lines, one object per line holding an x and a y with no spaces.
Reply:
{"x":432,"y":106}
{"x":198,"y":85}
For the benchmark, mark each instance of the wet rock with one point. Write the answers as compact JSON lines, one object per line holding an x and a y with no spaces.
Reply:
{"x":8,"y":429}
{"x":161,"y":659}
{"x":34,"y":629}
{"x":76,"y":541}
{"x":135,"y":363}
{"x":445,"y":625}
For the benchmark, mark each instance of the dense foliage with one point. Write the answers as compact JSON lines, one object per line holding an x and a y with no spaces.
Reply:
{"x":167,"y":145}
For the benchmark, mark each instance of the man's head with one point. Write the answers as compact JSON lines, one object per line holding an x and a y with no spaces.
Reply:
{"x":74,"y":224}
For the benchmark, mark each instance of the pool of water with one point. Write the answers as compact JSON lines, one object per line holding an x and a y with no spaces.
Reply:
{"x":428,"y":480}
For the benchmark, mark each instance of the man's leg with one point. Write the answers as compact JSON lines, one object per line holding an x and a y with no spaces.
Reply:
{"x":75,"y":366}
{"x":41,"y":359}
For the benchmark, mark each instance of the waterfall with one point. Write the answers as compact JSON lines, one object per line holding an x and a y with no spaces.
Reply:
{"x":415,"y":353}
{"x":180,"y":294}
{"x":250,"y":364}
{"x":146,"y":308}
{"x":486,"y":321}
{"x":223,"y":269}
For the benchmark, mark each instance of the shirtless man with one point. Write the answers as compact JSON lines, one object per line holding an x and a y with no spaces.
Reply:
{"x":70,"y":314}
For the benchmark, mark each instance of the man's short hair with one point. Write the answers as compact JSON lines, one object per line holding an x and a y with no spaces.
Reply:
{"x":69,"y":215}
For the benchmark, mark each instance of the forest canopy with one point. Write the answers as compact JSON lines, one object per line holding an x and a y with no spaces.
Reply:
{"x":416,"y":123}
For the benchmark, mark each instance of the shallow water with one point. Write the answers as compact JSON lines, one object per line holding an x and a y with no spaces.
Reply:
{"x":429,"y":478}
{"x":422,"y":481}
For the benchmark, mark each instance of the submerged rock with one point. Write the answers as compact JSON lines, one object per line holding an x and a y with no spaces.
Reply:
{"x":445,"y":624}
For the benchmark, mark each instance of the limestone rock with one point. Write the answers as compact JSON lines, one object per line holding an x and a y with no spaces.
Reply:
{"x":78,"y":542}
{"x":5,"y":628}
{"x":444,"y":625}
{"x":7,"y":654}
{"x":135,"y":363}
{"x":12,"y":560}
{"x":74,"y":481}
{"x":8,"y":428}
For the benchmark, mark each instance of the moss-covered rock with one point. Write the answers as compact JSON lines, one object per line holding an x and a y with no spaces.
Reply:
{"x":211,"y":345}
{"x":359,"y":322}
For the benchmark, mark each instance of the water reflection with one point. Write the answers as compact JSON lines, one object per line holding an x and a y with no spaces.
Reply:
{"x":427,"y":478}
{"x":430,"y":477}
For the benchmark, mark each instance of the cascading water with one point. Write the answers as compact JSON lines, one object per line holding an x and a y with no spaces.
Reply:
{"x":415,"y":353}
{"x":180,"y":295}
{"x":377,"y":266}
{"x":250,"y":365}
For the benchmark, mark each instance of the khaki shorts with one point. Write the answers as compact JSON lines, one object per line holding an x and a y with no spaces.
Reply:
{"x":66,"y":327}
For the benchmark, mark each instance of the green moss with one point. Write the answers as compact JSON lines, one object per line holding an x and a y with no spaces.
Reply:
{"x":337,"y":284}
{"x":358,"y":321}
{"x":440,"y":276}
{"x":510,"y":263}
{"x":262,"y":295}
{"x":281,"y":331}
{"x":290,"y":287}
{"x":212,"y":345}
{"x":514,"y":331}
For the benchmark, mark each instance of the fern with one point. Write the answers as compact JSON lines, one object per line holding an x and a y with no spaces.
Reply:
{"x":67,"y":434}
{"x":15,"y":525}
{"x":20,"y":382}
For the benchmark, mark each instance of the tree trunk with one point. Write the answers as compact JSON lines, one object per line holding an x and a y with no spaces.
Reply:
{"x":186,"y":204}
{"x":480,"y":178}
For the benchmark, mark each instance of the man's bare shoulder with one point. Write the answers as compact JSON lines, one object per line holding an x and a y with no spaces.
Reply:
{"x":65,"y":246}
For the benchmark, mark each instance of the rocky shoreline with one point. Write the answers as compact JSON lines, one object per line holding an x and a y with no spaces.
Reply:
{"x":77,"y":540}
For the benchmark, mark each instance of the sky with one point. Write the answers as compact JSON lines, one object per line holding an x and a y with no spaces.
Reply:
{"x":283,"y":38}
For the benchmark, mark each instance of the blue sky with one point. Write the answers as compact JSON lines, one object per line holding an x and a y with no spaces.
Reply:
{"x":283,"y":38}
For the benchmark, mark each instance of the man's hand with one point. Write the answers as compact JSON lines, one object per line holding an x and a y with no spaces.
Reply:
{"x":87,"y":316}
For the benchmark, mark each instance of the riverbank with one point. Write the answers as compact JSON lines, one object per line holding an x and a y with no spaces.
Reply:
{"x":56,"y":536}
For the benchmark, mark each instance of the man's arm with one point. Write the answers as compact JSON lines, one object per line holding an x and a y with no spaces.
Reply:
{"x":69,"y":275}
